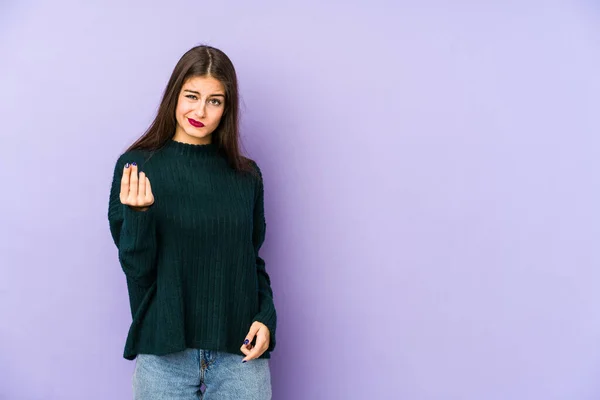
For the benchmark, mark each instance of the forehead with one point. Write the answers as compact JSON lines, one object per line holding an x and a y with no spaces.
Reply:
{"x":204,"y":84}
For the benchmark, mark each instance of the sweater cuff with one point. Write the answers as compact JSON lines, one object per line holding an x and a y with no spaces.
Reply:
{"x":137,"y":222}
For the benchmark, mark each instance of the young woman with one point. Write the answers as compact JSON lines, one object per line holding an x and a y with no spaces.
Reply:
{"x":186,"y":213}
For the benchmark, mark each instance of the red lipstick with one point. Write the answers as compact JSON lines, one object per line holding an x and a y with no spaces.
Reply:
{"x":195,"y":123}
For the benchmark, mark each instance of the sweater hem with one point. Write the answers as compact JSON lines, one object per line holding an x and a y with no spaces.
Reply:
{"x":131,"y":354}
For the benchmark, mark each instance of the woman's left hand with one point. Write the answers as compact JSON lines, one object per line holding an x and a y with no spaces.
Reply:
{"x":263,"y":336}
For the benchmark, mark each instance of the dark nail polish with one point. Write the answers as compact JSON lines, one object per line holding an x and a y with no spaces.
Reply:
{"x":243,"y":362}
{"x":127,"y":165}
{"x":133,"y":164}
{"x":246,"y":341}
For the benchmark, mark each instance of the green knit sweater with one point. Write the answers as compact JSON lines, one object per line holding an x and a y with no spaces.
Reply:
{"x":194,"y":276}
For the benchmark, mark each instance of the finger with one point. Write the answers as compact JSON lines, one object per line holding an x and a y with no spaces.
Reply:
{"x":260,"y":348}
{"x":245,"y":350}
{"x":149,"y":195}
{"x":251,"y":333}
{"x":247,"y":345}
{"x":142,"y":188}
{"x":125,"y":183}
{"x":262,"y":343}
{"x":133,"y":183}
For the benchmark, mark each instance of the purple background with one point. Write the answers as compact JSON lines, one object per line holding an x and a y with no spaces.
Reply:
{"x":432,"y":190}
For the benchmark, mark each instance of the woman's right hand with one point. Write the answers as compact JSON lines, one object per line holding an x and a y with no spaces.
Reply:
{"x":135,"y":192}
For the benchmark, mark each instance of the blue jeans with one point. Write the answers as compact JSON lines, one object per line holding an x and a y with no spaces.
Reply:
{"x":182,"y":375}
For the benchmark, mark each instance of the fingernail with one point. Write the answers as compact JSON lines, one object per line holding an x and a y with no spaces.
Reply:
{"x":127,"y":165}
{"x":133,"y":163}
{"x":243,"y":361}
{"x":246,"y":341}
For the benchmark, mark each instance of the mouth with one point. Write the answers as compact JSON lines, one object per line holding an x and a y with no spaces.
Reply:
{"x":195,"y":123}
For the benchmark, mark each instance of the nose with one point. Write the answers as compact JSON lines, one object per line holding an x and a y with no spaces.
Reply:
{"x":200,"y":110}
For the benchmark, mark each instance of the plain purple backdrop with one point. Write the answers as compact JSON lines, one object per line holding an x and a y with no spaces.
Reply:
{"x":431,"y":176}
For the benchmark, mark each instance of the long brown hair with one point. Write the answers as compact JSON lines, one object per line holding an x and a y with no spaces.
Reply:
{"x":201,"y":60}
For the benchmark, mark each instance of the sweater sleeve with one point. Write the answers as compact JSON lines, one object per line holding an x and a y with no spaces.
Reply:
{"x":267,"y":314}
{"x":134,"y":234}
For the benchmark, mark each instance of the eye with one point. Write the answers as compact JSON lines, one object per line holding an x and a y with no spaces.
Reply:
{"x":191,"y":96}
{"x":216,"y":102}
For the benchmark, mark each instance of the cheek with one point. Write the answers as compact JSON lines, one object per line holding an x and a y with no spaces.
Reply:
{"x":217,"y":115}
{"x":182,"y":109}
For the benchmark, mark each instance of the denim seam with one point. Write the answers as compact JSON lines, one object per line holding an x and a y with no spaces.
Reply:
{"x":202,"y":366}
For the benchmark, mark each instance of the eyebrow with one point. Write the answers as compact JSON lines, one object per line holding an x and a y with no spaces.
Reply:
{"x":198,"y":93}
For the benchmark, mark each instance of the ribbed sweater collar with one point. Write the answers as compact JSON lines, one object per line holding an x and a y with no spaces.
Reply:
{"x":192,"y":150}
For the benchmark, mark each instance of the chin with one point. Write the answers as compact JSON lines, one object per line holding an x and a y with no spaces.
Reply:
{"x":198,"y":135}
